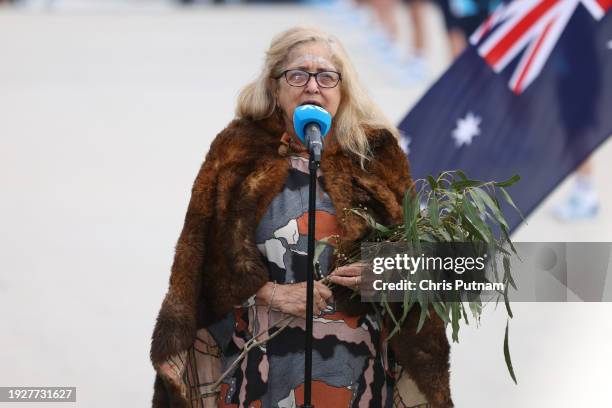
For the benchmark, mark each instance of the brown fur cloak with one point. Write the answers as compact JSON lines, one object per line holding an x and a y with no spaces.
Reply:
{"x":217,"y":264}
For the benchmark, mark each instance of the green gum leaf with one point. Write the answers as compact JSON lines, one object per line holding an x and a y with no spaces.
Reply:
{"x":508,"y":182}
{"x":507,"y":355}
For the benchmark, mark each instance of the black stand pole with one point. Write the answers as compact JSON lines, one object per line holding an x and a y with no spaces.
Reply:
{"x":312,"y":197}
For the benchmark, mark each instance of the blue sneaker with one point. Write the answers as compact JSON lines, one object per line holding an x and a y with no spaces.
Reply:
{"x":580,"y":205}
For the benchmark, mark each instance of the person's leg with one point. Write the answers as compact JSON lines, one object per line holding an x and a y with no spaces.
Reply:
{"x":583,"y":200}
{"x":416,"y":11}
{"x":410,"y":65}
{"x":384,"y":11}
{"x":456,"y":38}
{"x":457,"y":41}
{"x":584,"y":178}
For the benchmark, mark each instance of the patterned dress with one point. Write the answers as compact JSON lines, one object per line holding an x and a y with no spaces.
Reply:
{"x":348,"y":363}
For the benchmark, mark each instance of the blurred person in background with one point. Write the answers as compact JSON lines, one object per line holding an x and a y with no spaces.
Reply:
{"x":240,"y":262}
{"x":412,"y":61}
{"x":578,"y":115}
{"x":462,"y":18}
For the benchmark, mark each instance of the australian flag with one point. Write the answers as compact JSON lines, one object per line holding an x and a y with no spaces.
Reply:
{"x":532,"y":95}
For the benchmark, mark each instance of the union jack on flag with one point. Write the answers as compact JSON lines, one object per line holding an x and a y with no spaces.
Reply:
{"x":529,"y":29}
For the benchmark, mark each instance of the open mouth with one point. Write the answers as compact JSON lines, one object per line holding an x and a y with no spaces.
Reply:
{"x":313,"y":103}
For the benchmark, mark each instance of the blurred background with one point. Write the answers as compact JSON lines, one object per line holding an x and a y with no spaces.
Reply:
{"x":107,"y":108}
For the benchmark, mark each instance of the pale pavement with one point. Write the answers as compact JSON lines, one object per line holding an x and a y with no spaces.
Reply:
{"x":106,"y":114}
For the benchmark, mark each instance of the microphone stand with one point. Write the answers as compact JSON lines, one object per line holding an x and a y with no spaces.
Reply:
{"x":313,"y":165}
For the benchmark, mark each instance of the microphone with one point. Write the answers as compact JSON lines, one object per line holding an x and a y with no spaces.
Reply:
{"x":311,"y":124}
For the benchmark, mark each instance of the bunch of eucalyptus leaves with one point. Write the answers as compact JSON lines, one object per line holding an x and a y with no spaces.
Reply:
{"x":451,"y":208}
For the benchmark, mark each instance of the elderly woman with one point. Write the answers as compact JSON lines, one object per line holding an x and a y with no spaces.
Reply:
{"x":240,"y":263}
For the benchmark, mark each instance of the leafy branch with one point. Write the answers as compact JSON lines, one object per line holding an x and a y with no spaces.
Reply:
{"x":451,"y":208}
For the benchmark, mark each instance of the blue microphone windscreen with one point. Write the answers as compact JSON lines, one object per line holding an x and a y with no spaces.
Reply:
{"x":306,"y":114}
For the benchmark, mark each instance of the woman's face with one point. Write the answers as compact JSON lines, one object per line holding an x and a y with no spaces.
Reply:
{"x":311,"y":57}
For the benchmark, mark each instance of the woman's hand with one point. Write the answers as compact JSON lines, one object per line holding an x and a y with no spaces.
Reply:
{"x":291,"y":298}
{"x":348,"y":275}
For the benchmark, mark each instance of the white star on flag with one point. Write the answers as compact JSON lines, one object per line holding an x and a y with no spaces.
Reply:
{"x":610,"y":45}
{"x":466,"y":129}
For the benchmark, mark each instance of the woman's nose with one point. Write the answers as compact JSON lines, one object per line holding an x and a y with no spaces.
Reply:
{"x":311,"y":85}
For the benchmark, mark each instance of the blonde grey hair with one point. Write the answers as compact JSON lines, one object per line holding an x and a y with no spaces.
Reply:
{"x":356,"y":112}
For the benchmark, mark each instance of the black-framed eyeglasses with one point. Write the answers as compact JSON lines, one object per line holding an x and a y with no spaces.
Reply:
{"x":299,"y":78}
